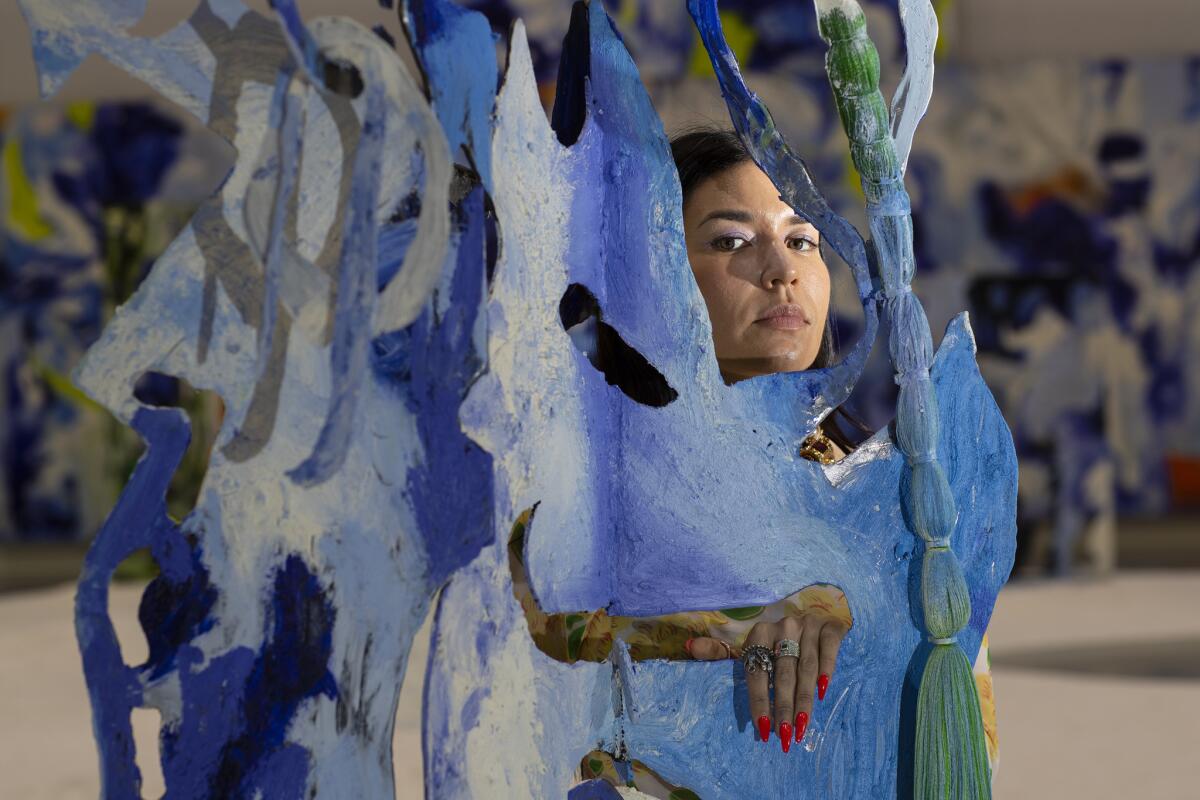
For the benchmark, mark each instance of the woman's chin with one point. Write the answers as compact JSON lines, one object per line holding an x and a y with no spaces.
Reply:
{"x":741,"y":367}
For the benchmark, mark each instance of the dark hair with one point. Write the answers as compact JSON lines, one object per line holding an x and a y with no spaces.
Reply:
{"x":702,"y":153}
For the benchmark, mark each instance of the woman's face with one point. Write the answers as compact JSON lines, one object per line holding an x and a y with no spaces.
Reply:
{"x":760,"y":271}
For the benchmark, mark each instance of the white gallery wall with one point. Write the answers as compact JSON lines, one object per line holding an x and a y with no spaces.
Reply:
{"x":1005,"y":30}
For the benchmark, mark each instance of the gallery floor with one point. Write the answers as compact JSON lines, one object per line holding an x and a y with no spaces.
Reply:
{"x":1097,"y":681}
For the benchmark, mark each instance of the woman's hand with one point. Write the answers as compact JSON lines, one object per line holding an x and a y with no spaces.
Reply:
{"x":796,"y":679}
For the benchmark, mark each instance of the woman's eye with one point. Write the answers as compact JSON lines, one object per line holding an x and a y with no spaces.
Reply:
{"x":802,"y":244}
{"x":728,"y":244}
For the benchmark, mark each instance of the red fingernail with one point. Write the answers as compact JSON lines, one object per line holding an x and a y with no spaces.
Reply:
{"x":801,"y":724}
{"x":822,"y":686}
{"x":764,"y":728}
{"x":688,"y":646}
{"x":785,"y":736}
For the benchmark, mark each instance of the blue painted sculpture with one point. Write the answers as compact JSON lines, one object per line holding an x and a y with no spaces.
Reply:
{"x":645,"y":510}
{"x":280,"y":625}
{"x":394,"y":404}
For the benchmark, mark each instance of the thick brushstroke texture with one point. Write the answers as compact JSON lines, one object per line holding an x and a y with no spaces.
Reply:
{"x":433,"y":362}
{"x":230,"y":739}
{"x":292,"y":667}
{"x":175,"y":609}
{"x":672,"y":532}
{"x":456,"y":52}
{"x":403,"y":298}
{"x":355,"y":302}
{"x":502,"y":722}
{"x":270,"y":682}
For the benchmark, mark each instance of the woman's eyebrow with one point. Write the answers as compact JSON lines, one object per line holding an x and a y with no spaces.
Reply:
{"x":735,"y":215}
{"x":729,"y":214}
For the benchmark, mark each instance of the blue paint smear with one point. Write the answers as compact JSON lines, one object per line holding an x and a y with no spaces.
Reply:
{"x":394,"y":240}
{"x":232,"y":738}
{"x":212,"y":717}
{"x":470,"y":712}
{"x":229,"y":740}
{"x":457,"y":54}
{"x":291,"y":668}
{"x":433,"y":363}
{"x":597,"y":789}
{"x":355,"y":292}
{"x":138,"y":520}
{"x":303,"y":46}
{"x":173,"y":612}
{"x":441,"y":767}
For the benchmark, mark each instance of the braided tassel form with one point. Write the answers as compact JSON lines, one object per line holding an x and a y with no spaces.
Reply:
{"x":951,"y":757}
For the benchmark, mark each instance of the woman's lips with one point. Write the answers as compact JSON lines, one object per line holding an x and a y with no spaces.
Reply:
{"x":784,"y":318}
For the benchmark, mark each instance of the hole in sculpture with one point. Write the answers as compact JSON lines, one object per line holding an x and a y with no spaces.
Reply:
{"x":146,"y":724}
{"x":138,"y":566}
{"x":128,"y":580}
{"x":205,"y":412}
{"x":341,"y":77}
{"x":621,"y":365}
{"x":407,"y":769}
{"x":570,"y":97}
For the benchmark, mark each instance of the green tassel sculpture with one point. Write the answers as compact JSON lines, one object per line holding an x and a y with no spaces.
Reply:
{"x":951,"y":757}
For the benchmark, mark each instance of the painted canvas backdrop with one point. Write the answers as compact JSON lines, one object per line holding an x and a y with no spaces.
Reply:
{"x":91,"y":194}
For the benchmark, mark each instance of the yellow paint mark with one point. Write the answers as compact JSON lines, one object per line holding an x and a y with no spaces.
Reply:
{"x":61,"y":386}
{"x":738,"y":34}
{"x":941,"y":8}
{"x":853,"y":181}
{"x":627,"y":16}
{"x":82,"y":113}
{"x":23,"y":215}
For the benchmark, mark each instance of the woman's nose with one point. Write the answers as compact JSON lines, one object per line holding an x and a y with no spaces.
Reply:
{"x":777,"y":268}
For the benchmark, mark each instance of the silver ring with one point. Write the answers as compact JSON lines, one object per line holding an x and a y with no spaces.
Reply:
{"x":787,"y":647}
{"x":758,"y":657}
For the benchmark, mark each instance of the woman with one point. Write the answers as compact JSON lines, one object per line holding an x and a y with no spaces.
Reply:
{"x":760,"y":270}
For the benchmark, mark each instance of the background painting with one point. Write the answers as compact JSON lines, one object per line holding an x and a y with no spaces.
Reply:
{"x":91,"y":193}
{"x":1057,"y":200}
